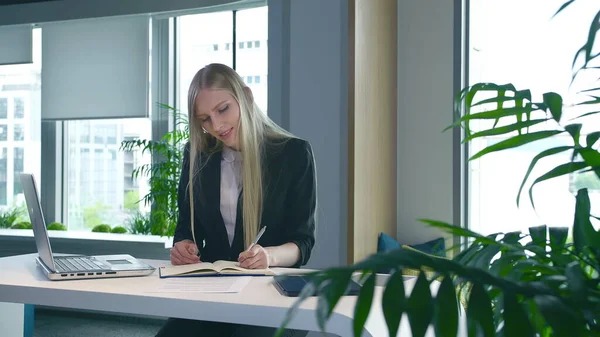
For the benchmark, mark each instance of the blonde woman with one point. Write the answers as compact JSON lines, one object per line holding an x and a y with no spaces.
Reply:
{"x":241,"y":172}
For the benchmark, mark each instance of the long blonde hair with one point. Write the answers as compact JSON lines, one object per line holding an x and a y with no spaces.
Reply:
{"x":254,"y":130}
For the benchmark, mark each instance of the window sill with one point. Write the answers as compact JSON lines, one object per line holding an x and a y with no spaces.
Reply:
{"x":83,"y":235}
{"x":21,"y":241}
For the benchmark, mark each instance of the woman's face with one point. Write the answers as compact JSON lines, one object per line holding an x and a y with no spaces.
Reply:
{"x":219,"y":114}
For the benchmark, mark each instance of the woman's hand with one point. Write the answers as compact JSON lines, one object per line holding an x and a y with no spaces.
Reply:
{"x":256,"y":257}
{"x":184,"y":252}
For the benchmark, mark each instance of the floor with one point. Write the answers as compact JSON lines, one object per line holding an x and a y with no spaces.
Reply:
{"x":56,"y":323}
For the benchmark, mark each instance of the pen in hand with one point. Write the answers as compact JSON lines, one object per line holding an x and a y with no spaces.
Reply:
{"x":247,"y":258}
{"x":262,"y":231}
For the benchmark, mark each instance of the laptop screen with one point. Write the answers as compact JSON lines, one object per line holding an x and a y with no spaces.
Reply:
{"x":37,"y":219}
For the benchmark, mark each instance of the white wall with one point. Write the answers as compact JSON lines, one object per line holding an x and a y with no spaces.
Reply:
{"x":425,"y":98}
{"x":312,"y":103}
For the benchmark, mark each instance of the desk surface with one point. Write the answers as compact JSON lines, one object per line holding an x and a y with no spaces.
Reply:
{"x":258,"y":304}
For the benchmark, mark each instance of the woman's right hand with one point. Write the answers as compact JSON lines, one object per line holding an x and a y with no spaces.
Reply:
{"x":184,"y":252}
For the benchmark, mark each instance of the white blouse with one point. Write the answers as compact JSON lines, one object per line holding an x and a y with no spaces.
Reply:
{"x":231,"y":186}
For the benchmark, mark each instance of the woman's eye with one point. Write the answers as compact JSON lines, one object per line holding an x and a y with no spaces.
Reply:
{"x":204,"y":120}
{"x":224,"y":109}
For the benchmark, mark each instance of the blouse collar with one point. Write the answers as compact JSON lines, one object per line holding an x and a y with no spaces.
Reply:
{"x":230,"y":155}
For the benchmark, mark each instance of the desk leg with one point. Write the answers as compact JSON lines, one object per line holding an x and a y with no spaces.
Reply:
{"x":16,"y":319}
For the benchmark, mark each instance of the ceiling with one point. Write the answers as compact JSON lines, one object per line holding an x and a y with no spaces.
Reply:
{"x":19,"y":2}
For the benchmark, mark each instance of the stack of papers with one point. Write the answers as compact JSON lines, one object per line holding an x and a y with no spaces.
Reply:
{"x":203,"y":285}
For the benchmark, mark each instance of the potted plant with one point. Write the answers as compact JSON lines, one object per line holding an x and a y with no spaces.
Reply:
{"x":513,"y":284}
{"x":12,"y":216}
{"x":163,"y":175}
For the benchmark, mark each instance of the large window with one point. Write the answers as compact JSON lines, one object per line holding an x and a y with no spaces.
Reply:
{"x":209,"y":38}
{"x":251,"y":57}
{"x":100,"y":187}
{"x":20,"y":147}
{"x":532,"y":50}
{"x":95,"y":179}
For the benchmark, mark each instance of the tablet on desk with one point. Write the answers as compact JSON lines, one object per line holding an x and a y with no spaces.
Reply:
{"x":292,"y":285}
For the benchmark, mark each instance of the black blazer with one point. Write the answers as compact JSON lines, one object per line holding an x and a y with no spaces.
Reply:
{"x":289,"y":203}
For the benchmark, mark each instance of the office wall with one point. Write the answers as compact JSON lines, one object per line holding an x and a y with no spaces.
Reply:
{"x":309,"y":96}
{"x":425,"y":97}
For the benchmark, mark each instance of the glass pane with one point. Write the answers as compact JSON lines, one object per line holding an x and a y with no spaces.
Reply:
{"x":203,"y":39}
{"x":252,"y":56}
{"x":100,"y":185}
{"x":3,"y":132}
{"x":19,"y":165}
{"x":3,"y":107}
{"x":3,"y":177}
{"x":19,"y":132}
{"x":20,"y":114}
{"x":19,"y":107}
{"x":534,"y":52}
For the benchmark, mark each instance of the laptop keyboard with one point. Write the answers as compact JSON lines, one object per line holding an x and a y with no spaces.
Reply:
{"x":76,"y":264}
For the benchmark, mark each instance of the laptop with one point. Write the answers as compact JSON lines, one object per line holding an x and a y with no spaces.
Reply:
{"x":74,"y":266}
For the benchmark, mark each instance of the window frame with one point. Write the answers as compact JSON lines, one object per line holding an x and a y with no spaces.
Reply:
{"x":164,"y":88}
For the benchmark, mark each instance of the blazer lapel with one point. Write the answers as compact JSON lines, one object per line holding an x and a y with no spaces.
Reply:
{"x":212,"y":196}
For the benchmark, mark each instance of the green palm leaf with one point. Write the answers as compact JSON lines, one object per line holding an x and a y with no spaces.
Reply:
{"x":516,"y":141}
{"x":420,"y":307}
{"x":363,"y":304}
{"x":558,"y":171}
{"x":592,"y":138}
{"x":563,"y":7}
{"x":480,"y":318}
{"x":504,"y":129}
{"x":446,"y":318}
{"x":393,"y":302}
{"x":534,"y":161}
{"x":554,"y":103}
{"x":516,"y":321}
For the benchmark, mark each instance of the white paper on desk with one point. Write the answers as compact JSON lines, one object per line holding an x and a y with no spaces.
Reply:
{"x":221,"y":284}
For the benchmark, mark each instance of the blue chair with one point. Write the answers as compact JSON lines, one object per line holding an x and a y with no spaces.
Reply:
{"x":436,"y":247}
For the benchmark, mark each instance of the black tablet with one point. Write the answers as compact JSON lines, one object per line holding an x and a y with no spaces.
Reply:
{"x":292,"y":285}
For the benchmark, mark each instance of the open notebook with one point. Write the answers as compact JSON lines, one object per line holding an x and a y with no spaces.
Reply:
{"x":228,"y":268}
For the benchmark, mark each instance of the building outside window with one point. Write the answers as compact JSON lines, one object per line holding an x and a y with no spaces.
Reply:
{"x":100,"y":184}
{"x":197,"y":49}
{"x":20,"y":120}
{"x":540,"y":59}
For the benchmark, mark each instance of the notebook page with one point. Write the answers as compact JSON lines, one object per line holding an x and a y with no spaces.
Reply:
{"x":186,"y":268}
{"x":227,"y":266}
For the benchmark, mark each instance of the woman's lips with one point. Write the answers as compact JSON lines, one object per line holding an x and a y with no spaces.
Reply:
{"x":226,"y":134}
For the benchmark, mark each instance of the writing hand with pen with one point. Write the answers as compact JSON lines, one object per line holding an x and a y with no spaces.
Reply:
{"x":256,"y":256}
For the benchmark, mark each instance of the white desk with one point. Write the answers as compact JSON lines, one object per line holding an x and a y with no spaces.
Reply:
{"x":258,"y":304}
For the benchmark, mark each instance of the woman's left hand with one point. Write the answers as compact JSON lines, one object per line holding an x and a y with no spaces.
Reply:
{"x":256,"y":257}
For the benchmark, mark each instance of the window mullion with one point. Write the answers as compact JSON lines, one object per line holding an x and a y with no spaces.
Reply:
{"x":234,"y":39}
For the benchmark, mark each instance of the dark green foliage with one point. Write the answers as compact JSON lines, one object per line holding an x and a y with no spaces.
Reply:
{"x":163,"y":175}
{"x":12,"y":216}
{"x":139,"y":223}
{"x":22,"y":225}
{"x":56,"y":226}
{"x":119,"y":230}
{"x":513,"y":284}
{"x":102,"y":228}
